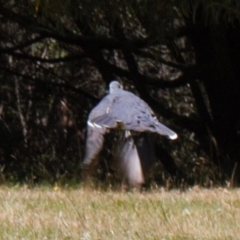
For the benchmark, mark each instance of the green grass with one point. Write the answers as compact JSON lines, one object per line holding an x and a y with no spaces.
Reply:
{"x":45,"y":213}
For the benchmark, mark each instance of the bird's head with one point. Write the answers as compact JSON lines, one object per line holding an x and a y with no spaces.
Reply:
{"x":114,"y":85}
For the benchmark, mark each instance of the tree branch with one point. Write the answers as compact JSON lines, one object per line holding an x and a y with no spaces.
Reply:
{"x":53,"y":60}
{"x":21,"y":46}
{"x":157,"y":82}
{"x":53,"y":84}
{"x":100,"y":42}
{"x":163,"y":61}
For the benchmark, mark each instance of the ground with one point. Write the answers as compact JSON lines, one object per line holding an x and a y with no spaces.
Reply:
{"x":80,"y":213}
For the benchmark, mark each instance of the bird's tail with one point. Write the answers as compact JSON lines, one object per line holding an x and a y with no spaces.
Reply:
{"x":165,"y":131}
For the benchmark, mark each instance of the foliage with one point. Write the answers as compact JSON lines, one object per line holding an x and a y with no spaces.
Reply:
{"x":58,"y":57}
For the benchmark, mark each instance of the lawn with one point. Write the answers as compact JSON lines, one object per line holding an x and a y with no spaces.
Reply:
{"x":55,"y":213}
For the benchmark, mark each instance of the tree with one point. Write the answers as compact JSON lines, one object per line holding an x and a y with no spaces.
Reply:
{"x":180,"y":56}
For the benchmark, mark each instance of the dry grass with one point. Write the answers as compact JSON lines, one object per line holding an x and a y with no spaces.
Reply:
{"x":44,"y":213}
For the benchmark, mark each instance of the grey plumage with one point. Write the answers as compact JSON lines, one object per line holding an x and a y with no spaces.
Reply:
{"x":128,"y":163}
{"x":123,"y":110}
{"x":127,"y":111}
{"x":133,"y":158}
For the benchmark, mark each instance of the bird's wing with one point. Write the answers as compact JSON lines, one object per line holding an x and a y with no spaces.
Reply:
{"x":94,"y":143}
{"x":95,"y":132}
{"x":145,"y":148}
{"x":105,"y":120}
{"x":128,"y":162}
{"x":99,"y":117}
{"x":133,"y":113}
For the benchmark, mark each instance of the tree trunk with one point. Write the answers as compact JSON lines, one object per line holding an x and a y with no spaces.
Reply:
{"x":217,"y":59}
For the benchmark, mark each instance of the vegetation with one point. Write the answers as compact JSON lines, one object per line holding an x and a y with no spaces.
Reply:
{"x":43,"y":213}
{"x":180,"y":56}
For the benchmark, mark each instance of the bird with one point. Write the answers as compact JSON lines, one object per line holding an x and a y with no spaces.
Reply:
{"x":133,"y":158}
{"x":123,"y":109}
{"x":126,"y":112}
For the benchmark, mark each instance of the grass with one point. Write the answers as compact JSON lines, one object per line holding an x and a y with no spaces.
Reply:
{"x":83,"y":214}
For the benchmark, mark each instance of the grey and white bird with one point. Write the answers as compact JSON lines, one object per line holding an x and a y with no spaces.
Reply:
{"x":122,"y":110}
